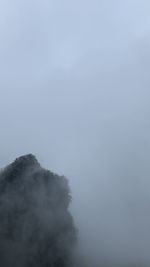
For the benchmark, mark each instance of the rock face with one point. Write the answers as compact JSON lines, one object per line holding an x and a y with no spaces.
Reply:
{"x":36,"y":228}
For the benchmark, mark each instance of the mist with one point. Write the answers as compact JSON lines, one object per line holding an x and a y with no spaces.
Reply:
{"x":74,"y":91}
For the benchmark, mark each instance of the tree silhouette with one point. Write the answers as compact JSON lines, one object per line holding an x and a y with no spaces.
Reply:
{"x":36,"y":228}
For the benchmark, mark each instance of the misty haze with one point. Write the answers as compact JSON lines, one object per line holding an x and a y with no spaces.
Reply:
{"x":74,"y":92}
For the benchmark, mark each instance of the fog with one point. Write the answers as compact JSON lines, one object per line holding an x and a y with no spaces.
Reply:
{"x":74,"y":91}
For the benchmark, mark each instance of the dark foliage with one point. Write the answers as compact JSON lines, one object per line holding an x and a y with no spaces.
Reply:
{"x":36,"y":228}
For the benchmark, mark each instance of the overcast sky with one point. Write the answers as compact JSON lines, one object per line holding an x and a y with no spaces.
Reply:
{"x":74,"y":91}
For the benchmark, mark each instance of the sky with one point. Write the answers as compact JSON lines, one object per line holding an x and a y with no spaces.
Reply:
{"x":74,"y":91}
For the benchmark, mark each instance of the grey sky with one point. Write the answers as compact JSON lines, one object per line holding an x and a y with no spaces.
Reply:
{"x":74,"y":90}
